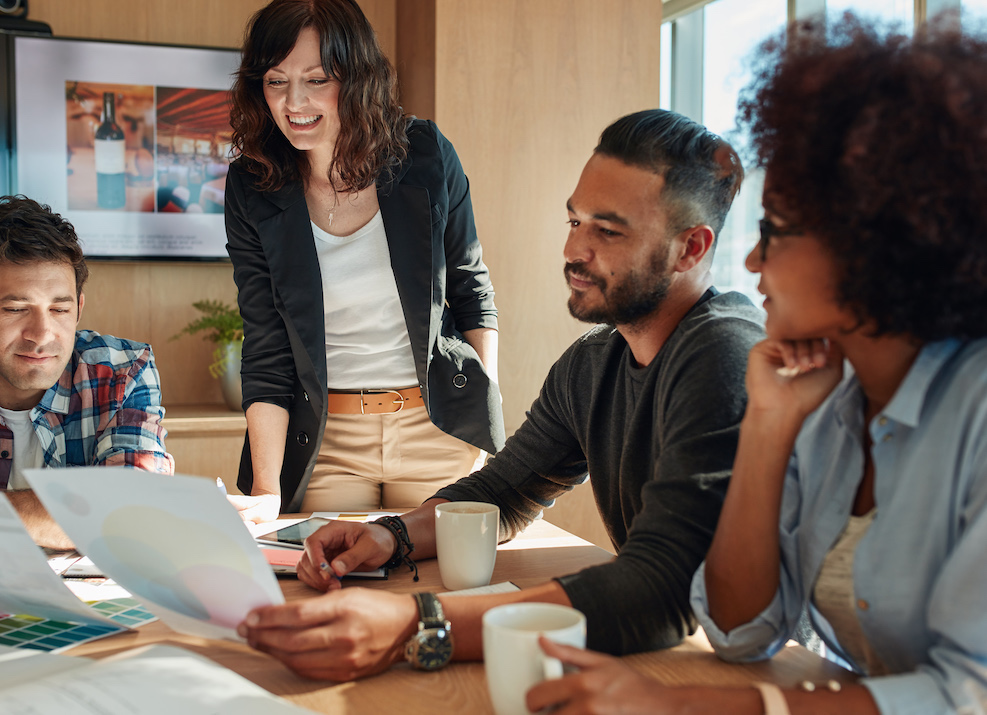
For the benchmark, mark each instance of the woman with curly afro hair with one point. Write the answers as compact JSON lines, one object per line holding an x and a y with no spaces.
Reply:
{"x":865,"y":436}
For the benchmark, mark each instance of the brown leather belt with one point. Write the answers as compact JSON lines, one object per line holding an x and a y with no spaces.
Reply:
{"x":373,"y":402}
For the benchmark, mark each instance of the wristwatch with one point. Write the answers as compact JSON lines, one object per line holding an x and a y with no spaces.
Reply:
{"x":431,"y":647}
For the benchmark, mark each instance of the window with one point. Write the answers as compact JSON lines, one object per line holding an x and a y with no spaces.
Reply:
{"x":902,"y":11}
{"x":974,"y":12}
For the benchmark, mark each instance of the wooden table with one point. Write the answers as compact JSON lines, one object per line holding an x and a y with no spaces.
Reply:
{"x":542,"y":552}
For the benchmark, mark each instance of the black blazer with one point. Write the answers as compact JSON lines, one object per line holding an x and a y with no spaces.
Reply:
{"x":442,"y":282}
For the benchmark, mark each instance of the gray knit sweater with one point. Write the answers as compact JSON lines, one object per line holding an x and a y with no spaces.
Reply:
{"x":658,"y":443}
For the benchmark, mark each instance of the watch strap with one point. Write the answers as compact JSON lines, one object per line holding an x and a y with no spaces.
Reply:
{"x":430,"y":610}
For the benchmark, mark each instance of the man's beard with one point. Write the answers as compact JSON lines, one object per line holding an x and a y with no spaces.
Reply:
{"x":639,"y":294}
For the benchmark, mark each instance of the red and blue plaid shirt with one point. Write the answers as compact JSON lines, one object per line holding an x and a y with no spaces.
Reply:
{"x":105,"y":409}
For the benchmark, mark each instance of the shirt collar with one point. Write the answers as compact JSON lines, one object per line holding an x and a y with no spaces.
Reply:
{"x":906,"y":405}
{"x":58,"y":396}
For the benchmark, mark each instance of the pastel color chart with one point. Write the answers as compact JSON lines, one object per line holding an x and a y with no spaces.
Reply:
{"x":174,"y":542}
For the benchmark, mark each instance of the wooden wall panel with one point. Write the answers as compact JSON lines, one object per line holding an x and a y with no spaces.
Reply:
{"x":523,"y":90}
{"x":216,"y":23}
{"x":415,"y":51}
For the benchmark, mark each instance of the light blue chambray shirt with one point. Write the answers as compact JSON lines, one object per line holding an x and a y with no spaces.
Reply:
{"x":920,"y":572}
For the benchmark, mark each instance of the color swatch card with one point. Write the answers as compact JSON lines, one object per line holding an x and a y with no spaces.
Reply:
{"x":53,"y":636}
{"x":174,"y":542}
{"x":27,"y":583}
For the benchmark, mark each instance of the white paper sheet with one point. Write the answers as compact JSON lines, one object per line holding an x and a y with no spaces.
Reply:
{"x":19,"y":666}
{"x":158,"y":680}
{"x":27,"y":583}
{"x":174,"y":542}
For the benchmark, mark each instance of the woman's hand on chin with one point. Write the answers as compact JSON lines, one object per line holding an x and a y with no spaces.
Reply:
{"x":794,"y":376}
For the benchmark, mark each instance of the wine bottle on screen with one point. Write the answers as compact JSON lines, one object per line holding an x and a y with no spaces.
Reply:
{"x":111,"y":178}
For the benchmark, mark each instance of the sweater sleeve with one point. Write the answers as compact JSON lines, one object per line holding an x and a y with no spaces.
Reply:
{"x":640,"y":600}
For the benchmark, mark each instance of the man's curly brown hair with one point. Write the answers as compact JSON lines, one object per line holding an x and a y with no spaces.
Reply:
{"x":876,"y":144}
{"x":372,"y":139}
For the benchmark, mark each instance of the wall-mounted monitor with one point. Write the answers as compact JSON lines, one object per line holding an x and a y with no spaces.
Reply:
{"x":130,"y":142}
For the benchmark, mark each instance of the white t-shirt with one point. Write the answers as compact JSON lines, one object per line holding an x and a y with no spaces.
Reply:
{"x":28,"y":453}
{"x":367,"y":343}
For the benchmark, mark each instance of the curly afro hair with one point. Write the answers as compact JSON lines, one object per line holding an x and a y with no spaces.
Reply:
{"x":876,"y":144}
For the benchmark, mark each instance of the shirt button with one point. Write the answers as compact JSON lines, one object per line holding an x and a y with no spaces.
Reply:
{"x":862,"y":604}
{"x":302,"y":438}
{"x":886,"y":438}
{"x":4,"y":454}
{"x":883,"y":421}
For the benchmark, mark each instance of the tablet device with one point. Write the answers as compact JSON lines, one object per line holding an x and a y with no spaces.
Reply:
{"x":293,"y":537}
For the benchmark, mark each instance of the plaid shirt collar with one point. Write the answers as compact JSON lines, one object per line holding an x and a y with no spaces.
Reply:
{"x":58,"y":397}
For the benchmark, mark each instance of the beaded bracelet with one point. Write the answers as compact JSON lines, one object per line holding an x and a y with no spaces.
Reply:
{"x":403,"y":548}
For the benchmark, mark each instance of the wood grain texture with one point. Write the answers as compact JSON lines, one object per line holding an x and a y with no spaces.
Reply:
{"x":416,"y":56}
{"x":206,"y":440}
{"x":213,"y":23}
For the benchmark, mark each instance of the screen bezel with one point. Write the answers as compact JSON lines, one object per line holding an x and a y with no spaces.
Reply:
{"x":36,"y":131}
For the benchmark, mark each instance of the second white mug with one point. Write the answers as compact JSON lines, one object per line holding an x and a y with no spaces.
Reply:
{"x":512,"y":658}
{"x":466,"y":543}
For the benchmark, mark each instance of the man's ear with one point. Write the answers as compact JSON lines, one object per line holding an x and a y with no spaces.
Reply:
{"x":82,"y":302}
{"x":695,"y":244}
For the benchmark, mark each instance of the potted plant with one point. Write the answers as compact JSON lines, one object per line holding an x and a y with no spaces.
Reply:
{"x":223,"y":326}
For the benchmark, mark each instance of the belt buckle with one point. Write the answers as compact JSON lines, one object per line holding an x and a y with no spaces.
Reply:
{"x":401,"y":399}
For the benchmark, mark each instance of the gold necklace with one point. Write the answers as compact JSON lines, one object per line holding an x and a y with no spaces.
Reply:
{"x":335,"y":205}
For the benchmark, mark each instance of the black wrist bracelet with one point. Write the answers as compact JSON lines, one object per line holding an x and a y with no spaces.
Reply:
{"x":404,"y":547}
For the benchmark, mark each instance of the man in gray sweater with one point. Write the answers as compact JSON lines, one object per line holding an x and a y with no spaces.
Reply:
{"x":648,"y":403}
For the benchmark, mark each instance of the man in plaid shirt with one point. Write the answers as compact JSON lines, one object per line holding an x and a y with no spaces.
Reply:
{"x":67,"y":398}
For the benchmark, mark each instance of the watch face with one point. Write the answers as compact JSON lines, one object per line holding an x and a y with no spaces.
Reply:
{"x":432,"y":648}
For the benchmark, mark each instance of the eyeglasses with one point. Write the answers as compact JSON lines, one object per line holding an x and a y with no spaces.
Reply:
{"x":768,"y":230}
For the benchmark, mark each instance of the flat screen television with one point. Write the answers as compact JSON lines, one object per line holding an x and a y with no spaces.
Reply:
{"x":128,"y":141}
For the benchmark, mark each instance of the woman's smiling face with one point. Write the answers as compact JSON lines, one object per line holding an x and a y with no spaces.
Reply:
{"x":302,"y":97}
{"x":799,"y":280}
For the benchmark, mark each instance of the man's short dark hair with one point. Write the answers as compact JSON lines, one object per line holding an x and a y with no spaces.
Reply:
{"x":30,"y":231}
{"x":702,"y":171}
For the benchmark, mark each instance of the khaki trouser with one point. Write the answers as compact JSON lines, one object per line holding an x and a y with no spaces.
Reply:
{"x":390,"y":461}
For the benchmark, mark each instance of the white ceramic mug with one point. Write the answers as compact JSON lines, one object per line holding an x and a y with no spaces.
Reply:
{"x":512,"y":658}
{"x":466,"y":543}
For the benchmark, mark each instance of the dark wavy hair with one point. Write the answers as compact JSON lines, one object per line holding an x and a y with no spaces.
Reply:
{"x":702,"y":171}
{"x":30,"y":232}
{"x":876,"y":144}
{"x":372,"y":139}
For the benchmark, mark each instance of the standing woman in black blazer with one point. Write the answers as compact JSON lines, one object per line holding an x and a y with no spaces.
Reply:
{"x":370,"y":332}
